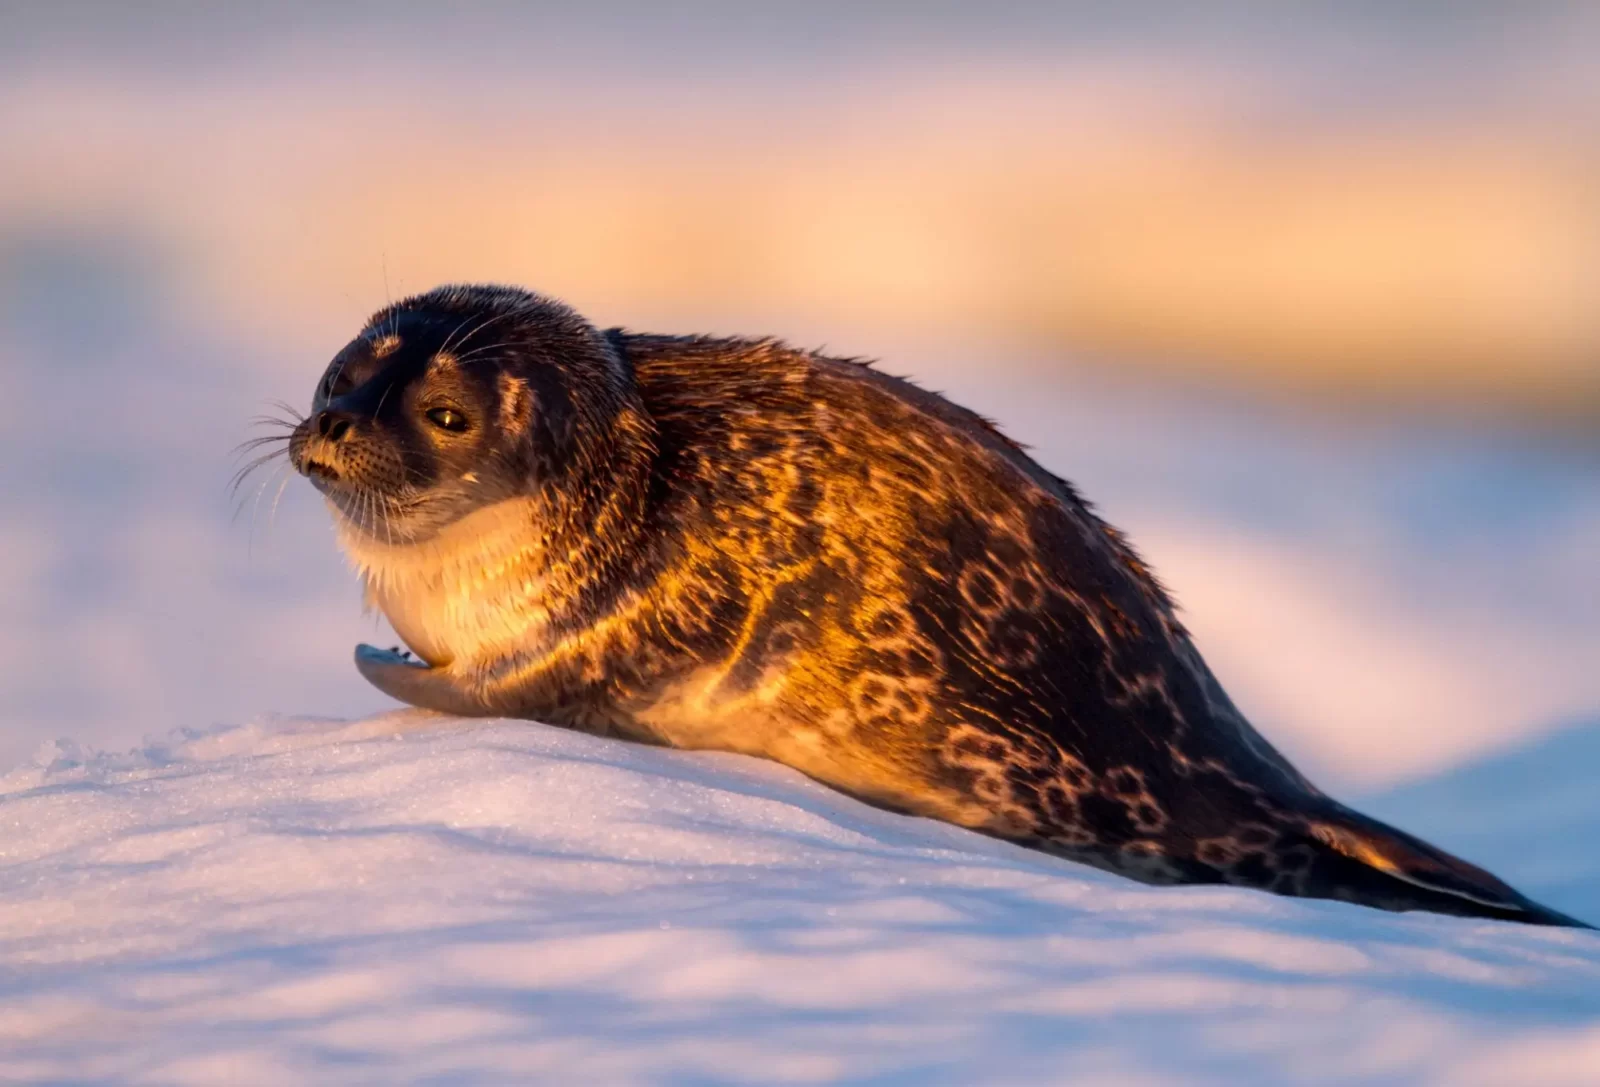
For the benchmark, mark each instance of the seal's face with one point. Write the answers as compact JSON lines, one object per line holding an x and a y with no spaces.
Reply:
{"x":395,"y":430}
{"x":412,"y":427}
{"x":455,"y":400}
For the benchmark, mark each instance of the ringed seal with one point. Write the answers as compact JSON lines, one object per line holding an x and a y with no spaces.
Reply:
{"x":732,"y":544}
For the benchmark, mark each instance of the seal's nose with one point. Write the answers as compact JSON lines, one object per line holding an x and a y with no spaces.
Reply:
{"x":333,"y":425}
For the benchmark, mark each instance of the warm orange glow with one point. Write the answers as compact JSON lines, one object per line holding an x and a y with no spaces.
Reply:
{"x":1116,"y":212}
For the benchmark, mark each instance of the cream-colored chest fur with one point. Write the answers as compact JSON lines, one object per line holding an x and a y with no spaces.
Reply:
{"x":468,"y":595}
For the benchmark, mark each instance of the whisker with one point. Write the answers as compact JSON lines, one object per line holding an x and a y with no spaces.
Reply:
{"x":388,"y":524}
{"x":255,"y":443}
{"x":255,"y":508}
{"x":274,"y":421}
{"x":445,"y":347}
{"x":337,"y":374}
{"x":487,"y":323}
{"x":479,"y":351}
{"x":244,"y":473}
{"x":272,"y":515}
{"x":238,"y":506}
{"x":392,"y":316}
{"x":283,"y":418}
{"x":288,"y":409}
{"x":245,"y":447}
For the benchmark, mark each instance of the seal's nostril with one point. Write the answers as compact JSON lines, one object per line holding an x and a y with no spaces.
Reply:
{"x":332,"y":425}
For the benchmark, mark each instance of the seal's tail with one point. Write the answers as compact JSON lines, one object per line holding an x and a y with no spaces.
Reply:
{"x":1370,"y":862}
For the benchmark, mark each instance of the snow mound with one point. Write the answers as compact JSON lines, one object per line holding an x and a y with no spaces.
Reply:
{"x":409,"y":898}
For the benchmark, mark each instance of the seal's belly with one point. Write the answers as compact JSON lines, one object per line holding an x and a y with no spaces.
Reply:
{"x":698,"y":713}
{"x":473,"y":592}
{"x":423,"y":623}
{"x":447,"y":625}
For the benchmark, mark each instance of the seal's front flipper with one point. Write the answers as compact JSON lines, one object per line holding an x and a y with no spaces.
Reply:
{"x":407,"y":679}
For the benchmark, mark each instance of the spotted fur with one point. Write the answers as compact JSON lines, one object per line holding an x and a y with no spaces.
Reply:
{"x":733,"y":544}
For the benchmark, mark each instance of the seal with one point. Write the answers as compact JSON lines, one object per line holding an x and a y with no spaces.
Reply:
{"x":733,"y":544}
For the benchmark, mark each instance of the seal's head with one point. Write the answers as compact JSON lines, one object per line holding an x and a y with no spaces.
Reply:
{"x":457,"y":399}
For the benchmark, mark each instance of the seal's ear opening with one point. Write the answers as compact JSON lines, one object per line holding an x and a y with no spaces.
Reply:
{"x":529,"y":425}
{"x":1437,"y":875}
{"x":516,"y":403}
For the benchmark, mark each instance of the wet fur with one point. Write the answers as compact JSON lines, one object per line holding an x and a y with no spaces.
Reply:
{"x":736,"y":545}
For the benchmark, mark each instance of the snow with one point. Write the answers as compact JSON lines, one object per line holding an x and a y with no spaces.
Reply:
{"x":414,"y":898}
{"x":1409,"y":607}
{"x":1411,"y":612}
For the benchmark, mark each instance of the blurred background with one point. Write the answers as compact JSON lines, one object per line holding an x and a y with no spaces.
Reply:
{"x":1304,"y":296}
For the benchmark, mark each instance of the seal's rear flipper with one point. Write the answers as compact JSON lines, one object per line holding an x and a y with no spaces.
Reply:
{"x":1438,"y":881}
{"x":416,"y":684}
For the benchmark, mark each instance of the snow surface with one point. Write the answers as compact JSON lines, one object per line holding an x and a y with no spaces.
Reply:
{"x":409,"y":898}
{"x":1399,"y":605}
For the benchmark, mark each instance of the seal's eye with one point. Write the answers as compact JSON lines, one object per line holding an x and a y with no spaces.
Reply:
{"x":448,"y":419}
{"x":335,"y":382}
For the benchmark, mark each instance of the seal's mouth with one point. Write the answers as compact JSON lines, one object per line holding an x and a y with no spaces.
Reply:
{"x":320,"y":472}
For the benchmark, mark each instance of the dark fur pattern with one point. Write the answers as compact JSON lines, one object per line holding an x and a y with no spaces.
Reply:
{"x":732,"y":544}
